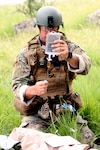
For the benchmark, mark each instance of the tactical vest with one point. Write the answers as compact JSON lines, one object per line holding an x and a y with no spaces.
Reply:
{"x":55,"y":72}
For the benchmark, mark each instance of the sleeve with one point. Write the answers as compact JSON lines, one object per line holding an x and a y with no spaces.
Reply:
{"x":84,"y":60}
{"x":21,"y":76}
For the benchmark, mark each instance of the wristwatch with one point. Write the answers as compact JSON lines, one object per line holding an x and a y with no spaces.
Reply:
{"x":70,"y":55}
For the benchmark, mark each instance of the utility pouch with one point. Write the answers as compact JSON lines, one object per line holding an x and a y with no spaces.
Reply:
{"x":72,"y":104}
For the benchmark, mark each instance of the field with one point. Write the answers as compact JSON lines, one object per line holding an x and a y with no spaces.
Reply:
{"x":87,"y":35}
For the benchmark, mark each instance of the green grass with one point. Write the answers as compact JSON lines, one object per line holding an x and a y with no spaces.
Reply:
{"x":74,"y":14}
{"x":8,"y":18}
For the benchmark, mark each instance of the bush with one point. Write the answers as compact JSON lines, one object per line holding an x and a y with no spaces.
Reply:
{"x":31,"y":6}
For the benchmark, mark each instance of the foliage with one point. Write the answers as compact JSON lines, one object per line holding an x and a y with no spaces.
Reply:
{"x":8,"y":18}
{"x":65,"y":125}
{"x":31,"y":6}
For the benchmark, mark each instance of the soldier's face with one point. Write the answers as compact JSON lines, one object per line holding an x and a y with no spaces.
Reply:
{"x":45,"y":30}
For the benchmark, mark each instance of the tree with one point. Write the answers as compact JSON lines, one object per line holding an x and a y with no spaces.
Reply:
{"x":29,"y":7}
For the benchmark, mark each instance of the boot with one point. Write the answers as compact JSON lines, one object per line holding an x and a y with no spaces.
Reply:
{"x":86,"y":135}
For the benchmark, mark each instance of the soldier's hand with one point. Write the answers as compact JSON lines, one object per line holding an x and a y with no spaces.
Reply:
{"x":38,"y":89}
{"x":61,"y":48}
{"x":41,"y":87}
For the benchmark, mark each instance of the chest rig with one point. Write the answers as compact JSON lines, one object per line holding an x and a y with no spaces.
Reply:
{"x":59,"y":79}
{"x":55,"y":71}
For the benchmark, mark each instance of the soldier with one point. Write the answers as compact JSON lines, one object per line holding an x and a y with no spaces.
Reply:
{"x":43,"y":88}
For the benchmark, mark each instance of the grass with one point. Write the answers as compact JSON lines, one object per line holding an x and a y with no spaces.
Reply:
{"x":76,"y":29}
{"x":9,"y":17}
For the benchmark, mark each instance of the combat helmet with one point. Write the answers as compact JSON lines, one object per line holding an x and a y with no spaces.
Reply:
{"x":48,"y":16}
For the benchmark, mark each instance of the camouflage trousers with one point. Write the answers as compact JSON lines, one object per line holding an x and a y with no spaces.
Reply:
{"x":33,"y":122}
{"x":86,"y":135}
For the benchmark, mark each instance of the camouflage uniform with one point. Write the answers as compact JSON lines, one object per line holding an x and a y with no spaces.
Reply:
{"x":31,"y":65}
